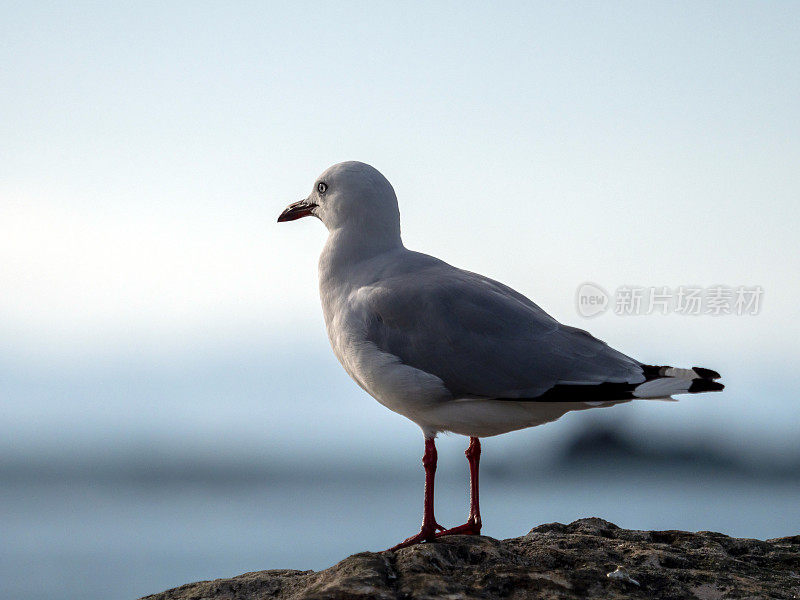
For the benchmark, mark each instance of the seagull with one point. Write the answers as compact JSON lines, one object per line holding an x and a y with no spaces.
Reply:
{"x":451,"y":350}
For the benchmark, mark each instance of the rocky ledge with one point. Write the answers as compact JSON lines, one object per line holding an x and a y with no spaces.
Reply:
{"x":589,"y":558}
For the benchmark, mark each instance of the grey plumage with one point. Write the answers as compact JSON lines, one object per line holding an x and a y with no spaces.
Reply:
{"x":480,"y":337}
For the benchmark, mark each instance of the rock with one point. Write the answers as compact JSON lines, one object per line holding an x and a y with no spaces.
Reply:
{"x":587,"y":559}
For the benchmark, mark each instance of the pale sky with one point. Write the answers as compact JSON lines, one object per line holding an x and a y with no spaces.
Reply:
{"x":146,"y":150}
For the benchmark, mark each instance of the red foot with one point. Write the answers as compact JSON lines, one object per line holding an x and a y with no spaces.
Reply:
{"x":426,"y":534}
{"x":469,"y":528}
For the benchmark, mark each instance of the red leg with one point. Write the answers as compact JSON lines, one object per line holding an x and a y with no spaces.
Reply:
{"x":429,"y":524}
{"x":473,"y":524}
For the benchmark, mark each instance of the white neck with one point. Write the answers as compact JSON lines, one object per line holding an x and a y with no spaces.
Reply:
{"x":348,"y":246}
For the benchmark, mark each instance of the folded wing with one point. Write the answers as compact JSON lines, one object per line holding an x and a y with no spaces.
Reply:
{"x":483,"y":339}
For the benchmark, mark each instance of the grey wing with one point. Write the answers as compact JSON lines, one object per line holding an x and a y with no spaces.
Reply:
{"x":483,"y":339}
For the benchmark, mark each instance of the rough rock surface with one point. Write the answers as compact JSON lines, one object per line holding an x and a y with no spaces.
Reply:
{"x":589,"y":558}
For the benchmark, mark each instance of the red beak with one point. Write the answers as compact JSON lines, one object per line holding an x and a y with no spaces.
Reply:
{"x":296,"y":210}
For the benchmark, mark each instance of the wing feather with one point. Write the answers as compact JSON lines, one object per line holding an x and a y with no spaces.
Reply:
{"x":482,"y":338}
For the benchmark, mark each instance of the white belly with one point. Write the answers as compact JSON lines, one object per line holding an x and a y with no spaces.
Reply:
{"x":486,"y":417}
{"x":397,"y":386}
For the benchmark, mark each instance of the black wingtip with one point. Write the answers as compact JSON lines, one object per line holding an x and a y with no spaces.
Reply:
{"x":705,"y":385}
{"x":706,"y":373}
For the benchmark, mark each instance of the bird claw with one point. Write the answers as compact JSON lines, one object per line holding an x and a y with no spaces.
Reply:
{"x":426,"y":534}
{"x":468,"y":528}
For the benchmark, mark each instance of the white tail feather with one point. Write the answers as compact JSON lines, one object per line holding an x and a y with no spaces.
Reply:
{"x":675,"y":381}
{"x":662,"y":387}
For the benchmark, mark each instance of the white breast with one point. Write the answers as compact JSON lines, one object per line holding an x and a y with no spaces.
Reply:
{"x":397,"y":386}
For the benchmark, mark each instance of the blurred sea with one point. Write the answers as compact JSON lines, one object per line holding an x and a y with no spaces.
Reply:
{"x":120,"y":536}
{"x":121,"y":479}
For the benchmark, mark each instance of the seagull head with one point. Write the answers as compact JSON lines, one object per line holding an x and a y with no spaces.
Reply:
{"x":350,"y":196}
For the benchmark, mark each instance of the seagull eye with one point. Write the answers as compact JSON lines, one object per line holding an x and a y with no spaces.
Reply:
{"x":321,"y":187}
